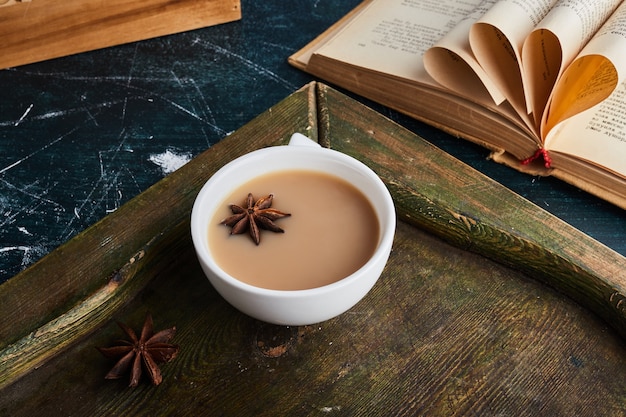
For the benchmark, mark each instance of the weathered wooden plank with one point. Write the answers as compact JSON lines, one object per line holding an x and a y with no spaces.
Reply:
{"x":437,"y":192}
{"x":37,"y":30}
{"x":88,"y":266}
{"x":444,"y":332}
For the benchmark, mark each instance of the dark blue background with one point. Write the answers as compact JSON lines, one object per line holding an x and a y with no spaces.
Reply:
{"x":81,"y":135}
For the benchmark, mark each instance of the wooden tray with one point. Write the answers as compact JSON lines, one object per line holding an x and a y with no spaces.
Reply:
{"x":446,"y":331}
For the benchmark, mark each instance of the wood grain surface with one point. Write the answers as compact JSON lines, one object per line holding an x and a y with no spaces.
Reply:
{"x":435,"y":191}
{"x":445,"y":331}
{"x":38,"y":30}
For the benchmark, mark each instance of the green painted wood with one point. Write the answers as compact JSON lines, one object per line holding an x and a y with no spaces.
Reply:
{"x":437,"y":192}
{"x":438,"y":335}
{"x":86,"y":270}
{"x":444,"y":332}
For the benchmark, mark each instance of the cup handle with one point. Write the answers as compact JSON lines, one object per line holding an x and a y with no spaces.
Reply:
{"x":298,"y":139}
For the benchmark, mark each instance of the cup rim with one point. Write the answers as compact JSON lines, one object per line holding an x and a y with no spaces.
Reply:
{"x":384,"y":209}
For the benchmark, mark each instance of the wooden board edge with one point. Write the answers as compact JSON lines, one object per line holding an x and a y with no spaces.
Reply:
{"x":64,"y":296}
{"x":45,"y":29}
{"x":498,"y":223}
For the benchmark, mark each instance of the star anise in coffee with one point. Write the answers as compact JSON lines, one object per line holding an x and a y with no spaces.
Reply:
{"x":146,"y":351}
{"x":257,"y":215}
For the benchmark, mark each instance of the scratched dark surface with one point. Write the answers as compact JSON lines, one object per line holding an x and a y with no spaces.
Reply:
{"x":81,"y":135}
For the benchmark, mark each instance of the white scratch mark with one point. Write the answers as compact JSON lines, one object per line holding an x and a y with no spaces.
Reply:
{"x":108,"y":184}
{"x":169,"y":161}
{"x":38,"y":197}
{"x":116,"y":201}
{"x":189,"y":112}
{"x":29,"y":253}
{"x":108,"y":104}
{"x":259,"y":69}
{"x":194,"y":115}
{"x":12,"y":248}
{"x":124,"y":111}
{"x":14,"y":164}
{"x":128,"y":82}
{"x":177,"y":79}
{"x":91,"y":116}
{"x":210,"y":120}
{"x":24,"y":230}
{"x":24,"y":115}
{"x":73,"y":77}
{"x":68,"y":112}
{"x":204,"y":102}
{"x":132,"y":66}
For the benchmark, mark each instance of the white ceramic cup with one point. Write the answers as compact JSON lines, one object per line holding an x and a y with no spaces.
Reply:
{"x":293,"y":307}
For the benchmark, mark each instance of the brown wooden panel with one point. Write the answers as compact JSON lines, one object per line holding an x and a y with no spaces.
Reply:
{"x":37,"y":30}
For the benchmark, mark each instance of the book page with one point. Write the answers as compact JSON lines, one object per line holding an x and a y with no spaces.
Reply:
{"x":452,"y":63}
{"x":554,"y":43}
{"x":497,"y":41}
{"x":592,"y":76}
{"x":603,"y":128}
{"x":391,"y":36}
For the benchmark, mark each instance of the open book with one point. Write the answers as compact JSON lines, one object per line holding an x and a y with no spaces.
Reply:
{"x":542,"y":83}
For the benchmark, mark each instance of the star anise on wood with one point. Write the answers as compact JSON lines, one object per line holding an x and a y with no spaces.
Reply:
{"x":148,"y":350}
{"x":257,"y":214}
